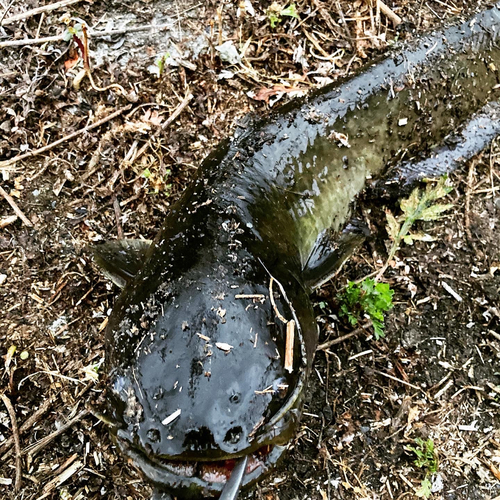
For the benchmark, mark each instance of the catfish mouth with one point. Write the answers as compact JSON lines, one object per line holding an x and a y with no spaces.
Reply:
{"x":219,"y":471}
{"x":192,"y":479}
{"x":202,"y":477}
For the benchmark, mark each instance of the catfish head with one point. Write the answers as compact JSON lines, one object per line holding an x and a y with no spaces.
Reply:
{"x":197,"y":375}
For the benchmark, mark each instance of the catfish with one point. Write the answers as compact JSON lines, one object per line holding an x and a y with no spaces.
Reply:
{"x":211,"y":342}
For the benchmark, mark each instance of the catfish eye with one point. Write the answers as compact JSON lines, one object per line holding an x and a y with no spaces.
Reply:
{"x":235,"y":397}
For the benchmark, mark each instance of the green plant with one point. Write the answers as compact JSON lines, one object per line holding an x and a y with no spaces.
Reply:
{"x":425,"y":489}
{"x":418,"y":206}
{"x":367,"y":297}
{"x":426,"y":455}
{"x":161,"y":61}
{"x":276,"y":12}
{"x":427,"y":459}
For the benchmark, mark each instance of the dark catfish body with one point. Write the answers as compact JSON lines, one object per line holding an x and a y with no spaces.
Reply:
{"x":196,"y":342}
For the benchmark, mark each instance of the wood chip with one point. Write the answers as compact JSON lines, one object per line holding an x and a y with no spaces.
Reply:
{"x":7,"y":221}
{"x":290,"y":336}
{"x":223,"y":346}
{"x":451,"y":291}
{"x":257,"y":296}
{"x":172,"y":417}
{"x":63,"y":477}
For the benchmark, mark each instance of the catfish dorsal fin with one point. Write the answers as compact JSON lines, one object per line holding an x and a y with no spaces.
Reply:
{"x":120,"y":260}
{"x":331,"y":251}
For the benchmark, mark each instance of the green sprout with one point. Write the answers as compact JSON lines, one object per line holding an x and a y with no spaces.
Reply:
{"x":419,"y":206}
{"x":427,"y":459}
{"x":367,"y":297}
{"x":161,"y":61}
{"x":275,"y":13}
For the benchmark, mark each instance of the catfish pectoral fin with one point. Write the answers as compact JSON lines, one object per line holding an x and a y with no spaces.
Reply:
{"x":120,"y":260}
{"x":331,"y":251}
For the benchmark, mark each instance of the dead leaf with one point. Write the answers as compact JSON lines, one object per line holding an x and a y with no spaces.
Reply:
{"x":264,"y":94}
{"x":72,"y":59}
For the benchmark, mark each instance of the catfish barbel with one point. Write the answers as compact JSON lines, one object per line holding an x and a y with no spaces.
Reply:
{"x":199,"y":376}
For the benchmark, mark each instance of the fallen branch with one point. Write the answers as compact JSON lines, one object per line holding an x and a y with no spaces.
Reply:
{"x":93,"y":34}
{"x":42,"y":443}
{"x":15,"y":435}
{"x":338,"y":340}
{"x":30,"y":421}
{"x":7,"y":163}
{"x":14,"y":206}
{"x":38,"y":10}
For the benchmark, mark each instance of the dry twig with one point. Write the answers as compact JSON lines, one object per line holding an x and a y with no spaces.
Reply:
{"x":338,"y":340}
{"x":116,"y":207}
{"x":66,"y":470}
{"x":383,"y":374}
{"x":38,"y":10}
{"x":94,"y":34}
{"x":42,"y":443}
{"x":389,"y":13}
{"x":470,"y":179}
{"x":14,"y":206}
{"x":30,"y":421}
{"x":15,"y":435}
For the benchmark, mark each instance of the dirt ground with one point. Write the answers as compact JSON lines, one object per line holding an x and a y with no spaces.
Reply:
{"x":435,"y":376}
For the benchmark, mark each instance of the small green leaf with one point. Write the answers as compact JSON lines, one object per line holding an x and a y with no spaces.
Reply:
{"x":410,"y":238}
{"x":290,"y":11}
{"x":439,"y":190}
{"x":393,"y":226}
{"x":146,"y":174}
{"x":425,"y":489}
{"x":24,"y":355}
{"x":410,"y":204}
{"x":273,"y":19}
{"x":378,"y":328}
{"x":368,"y":297}
{"x":434,"y":212}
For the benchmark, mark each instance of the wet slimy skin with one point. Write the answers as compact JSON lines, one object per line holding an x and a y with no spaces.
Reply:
{"x":195,"y":344}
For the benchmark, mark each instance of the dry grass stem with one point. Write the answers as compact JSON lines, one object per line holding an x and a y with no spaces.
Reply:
{"x":339,"y":340}
{"x":14,"y":206}
{"x":38,"y":10}
{"x":33,"y":449}
{"x":17,"y":445}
